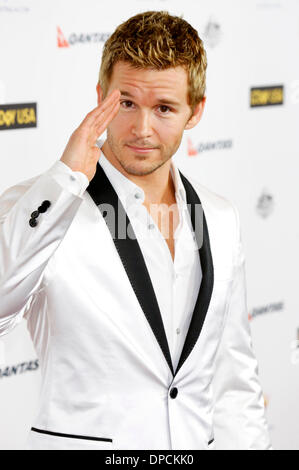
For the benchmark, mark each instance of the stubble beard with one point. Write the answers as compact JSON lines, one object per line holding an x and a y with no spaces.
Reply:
{"x":130,"y":168}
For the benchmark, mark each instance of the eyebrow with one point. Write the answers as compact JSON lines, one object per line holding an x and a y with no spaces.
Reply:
{"x":161,"y":100}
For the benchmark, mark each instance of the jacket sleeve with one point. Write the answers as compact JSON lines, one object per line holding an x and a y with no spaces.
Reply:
{"x":25,"y":250}
{"x":239,"y":412}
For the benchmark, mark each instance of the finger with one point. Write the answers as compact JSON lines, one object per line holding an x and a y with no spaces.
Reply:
{"x":108,"y":102}
{"x":115,"y":92}
{"x":96,"y":152}
{"x":103,"y":124}
{"x":98,"y":111}
{"x":99,"y":130}
{"x":103,"y":116}
{"x":107,"y":118}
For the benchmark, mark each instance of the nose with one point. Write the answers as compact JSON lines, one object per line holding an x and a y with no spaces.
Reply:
{"x":142,"y":125}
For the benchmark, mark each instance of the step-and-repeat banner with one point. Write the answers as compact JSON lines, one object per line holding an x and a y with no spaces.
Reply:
{"x":244,"y":148}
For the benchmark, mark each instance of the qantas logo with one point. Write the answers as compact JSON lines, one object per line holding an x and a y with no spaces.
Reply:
{"x":192,"y":150}
{"x":270,"y":308}
{"x":19,"y":368}
{"x":79,"y":38}
{"x":61,"y":41}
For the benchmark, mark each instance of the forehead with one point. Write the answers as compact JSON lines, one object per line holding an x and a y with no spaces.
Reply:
{"x":170,"y":82}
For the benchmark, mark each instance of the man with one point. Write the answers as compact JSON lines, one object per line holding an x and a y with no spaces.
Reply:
{"x":131,"y":275}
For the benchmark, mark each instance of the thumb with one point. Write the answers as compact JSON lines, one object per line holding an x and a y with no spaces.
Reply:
{"x":100,"y":94}
{"x":96,"y":153}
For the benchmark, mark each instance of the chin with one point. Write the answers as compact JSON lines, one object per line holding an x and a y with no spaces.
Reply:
{"x":141,"y":167}
{"x":139,"y":170}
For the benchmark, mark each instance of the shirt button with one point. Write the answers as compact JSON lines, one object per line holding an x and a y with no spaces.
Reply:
{"x":72,"y":178}
{"x":151,"y":226}
{"x":137,"y":196}
{"x":178,"y":331}
{"x":173,"y":392}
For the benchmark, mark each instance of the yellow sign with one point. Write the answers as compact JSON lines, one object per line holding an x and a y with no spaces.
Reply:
{"x":18,"y":116}
{"x":266,"y":96}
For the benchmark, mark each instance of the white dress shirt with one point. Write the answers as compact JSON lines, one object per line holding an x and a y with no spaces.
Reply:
{"x":175,"y":282}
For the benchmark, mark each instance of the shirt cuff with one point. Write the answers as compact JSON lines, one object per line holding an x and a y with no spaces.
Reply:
{"x":74,"y":181}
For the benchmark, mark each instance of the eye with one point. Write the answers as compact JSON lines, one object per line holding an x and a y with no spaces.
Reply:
{"x":126,"y":101}
{"x":164,"y":106}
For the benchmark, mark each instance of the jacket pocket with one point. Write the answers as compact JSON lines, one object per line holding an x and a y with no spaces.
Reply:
{"x":43,"y":439}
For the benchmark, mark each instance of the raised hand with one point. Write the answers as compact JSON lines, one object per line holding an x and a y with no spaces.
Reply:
{"x":81,"y":154}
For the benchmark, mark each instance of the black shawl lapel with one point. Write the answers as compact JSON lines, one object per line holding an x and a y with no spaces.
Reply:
{"x":207,"y":283}
{"x":103,"y":194}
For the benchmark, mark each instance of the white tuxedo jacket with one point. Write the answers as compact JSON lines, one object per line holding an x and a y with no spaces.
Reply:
{"x":107,"y":376}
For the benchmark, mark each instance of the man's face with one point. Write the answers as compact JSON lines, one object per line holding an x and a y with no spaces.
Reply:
{"x":153,"y":114}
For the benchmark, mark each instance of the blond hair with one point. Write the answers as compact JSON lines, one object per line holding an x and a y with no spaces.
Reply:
{"x":157,"y":40}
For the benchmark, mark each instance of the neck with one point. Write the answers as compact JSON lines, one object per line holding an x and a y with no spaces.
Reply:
{"x":158,"y":186}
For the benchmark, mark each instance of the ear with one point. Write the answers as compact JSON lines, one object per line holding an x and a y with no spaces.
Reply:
{"x":99,"y":93}
{"x":196,"y":116}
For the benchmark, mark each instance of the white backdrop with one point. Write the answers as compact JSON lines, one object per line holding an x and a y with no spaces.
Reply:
{"x":247,"y":154}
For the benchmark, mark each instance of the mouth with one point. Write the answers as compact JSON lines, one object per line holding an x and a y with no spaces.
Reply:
{"x":141,"y":149}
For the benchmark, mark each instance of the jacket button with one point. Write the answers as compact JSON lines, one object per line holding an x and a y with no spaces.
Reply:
{"x":44,"y":206}
{"x":33,"y":222}
{"x":46,"y":203}
{"x":34,"y":214}
{"x":173,"y":392}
